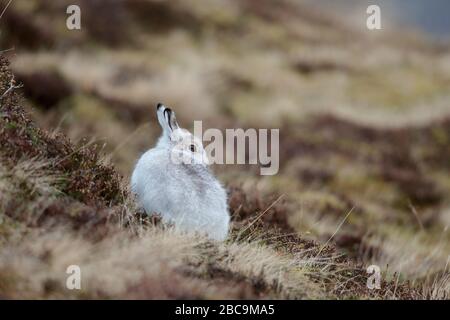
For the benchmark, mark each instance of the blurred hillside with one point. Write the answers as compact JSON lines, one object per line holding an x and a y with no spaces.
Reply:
{"x":364,"y":122}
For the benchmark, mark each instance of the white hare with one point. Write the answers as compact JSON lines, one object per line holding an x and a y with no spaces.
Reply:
{"x":173,"y":180}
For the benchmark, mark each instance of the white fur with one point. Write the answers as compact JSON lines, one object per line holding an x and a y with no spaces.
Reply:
{"x":176,"y":183}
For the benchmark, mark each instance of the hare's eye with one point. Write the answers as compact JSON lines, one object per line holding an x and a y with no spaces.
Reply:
{"x":192,"y":147}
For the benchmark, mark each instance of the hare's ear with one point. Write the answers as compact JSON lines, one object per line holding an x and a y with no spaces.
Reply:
{"x":166,"y":118}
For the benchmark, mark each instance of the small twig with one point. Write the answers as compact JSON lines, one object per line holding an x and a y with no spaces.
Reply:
{"x":7,"y":50}
{"x":90,"y":142}
{"x":4,"y":10}
{"x":12,"y":86}
{"x":125,"y":141}
{"x":414,"y":211}
{"x":396,"y":285}
{"x":258,"y":217}
{"x":335,"y":232}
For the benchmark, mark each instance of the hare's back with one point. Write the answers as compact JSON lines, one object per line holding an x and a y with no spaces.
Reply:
{"x":149,"y":170}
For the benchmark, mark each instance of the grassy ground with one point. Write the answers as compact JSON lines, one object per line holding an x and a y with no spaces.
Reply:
{"x":365,"y":147}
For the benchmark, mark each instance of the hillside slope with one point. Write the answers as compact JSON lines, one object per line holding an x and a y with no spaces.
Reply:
{"x":62,"y":206}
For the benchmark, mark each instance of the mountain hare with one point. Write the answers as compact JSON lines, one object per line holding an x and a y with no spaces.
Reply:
{"x":173,"y":179}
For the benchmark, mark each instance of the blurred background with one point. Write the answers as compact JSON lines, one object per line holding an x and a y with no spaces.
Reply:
{"x":364,"y":116}
{"x":422,"y":16}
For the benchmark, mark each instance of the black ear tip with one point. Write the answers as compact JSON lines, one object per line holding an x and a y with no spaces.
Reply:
{"x":159,"y":105}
